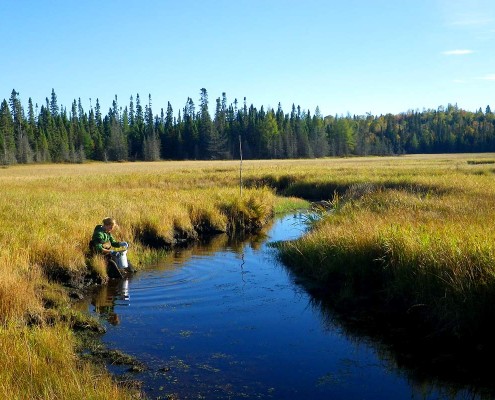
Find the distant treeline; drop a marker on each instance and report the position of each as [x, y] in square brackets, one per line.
[49, 133]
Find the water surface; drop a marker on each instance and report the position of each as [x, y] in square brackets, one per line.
[225, 320]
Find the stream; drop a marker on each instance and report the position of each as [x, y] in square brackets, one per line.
[226, 320]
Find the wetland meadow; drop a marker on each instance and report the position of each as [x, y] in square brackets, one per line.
[401, 247]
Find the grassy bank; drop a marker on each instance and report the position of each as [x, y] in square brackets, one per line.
[48, 214]
[410, 238]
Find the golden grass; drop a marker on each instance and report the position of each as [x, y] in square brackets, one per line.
[433, 213]
[419, 230]
[53, 213]
[49, 368]
[18, 283]
[48, 214]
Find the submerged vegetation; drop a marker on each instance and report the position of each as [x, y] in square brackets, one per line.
[413, 234]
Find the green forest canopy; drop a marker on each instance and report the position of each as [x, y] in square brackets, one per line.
[51, 133]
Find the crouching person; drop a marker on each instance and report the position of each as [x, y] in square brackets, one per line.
[105, 244]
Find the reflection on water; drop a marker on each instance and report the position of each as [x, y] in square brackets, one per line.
[110, 297]
[225, 320]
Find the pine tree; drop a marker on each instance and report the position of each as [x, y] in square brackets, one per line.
[131, 113]
[45, 128]
[169, 140]
[288, 139]
[97, 135]
[53, 104]
[300, 129]
[218, 143]
[317, 134]
[190, 132]
[136, 133]
[96, 140]
[24, 153]
[85, 140]
[64, 146]
[116, 141]
[31, 124]
[117, 144]
[205, 125]
[160, 130]
[151, 141]
[7, 142]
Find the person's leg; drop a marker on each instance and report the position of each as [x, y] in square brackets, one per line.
[113, 270]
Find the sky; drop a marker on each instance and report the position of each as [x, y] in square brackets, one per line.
[343, 56]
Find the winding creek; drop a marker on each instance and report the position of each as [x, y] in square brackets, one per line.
[225, 320]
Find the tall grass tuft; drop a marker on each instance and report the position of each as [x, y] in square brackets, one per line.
[418, 237]
[19, 299]
[248, 212]
[40, 363]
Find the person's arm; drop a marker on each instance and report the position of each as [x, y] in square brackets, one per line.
[113, 242]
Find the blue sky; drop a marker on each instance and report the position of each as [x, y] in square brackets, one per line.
[353, 56]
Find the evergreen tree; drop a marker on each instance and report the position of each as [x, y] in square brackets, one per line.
[169, 139]
[218, 142]
[31, 124]
[24, 153]
[317, 135]
[41, 154]
[116, 145]
[288, 139]
[53, 104]
[151, 141]
[94, 149]
[151, 147]
[205, 127]
[300, 130]
[45, 128]
[7, 141]
[85, 139]
[190, 132]
[116, 141]
[137, 130]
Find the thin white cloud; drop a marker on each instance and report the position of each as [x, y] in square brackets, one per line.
[489, 77]
[472, 21]
[458, 52]
[467, 13]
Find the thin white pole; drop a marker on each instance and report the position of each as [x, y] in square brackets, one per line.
[240, 167]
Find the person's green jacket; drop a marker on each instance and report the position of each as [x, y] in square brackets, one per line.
[100, 237]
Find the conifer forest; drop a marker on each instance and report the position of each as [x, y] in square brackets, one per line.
[50, 132]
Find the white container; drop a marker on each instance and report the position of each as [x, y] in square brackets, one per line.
[121, 260]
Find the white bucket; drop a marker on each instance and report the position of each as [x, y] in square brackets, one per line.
[121, 260]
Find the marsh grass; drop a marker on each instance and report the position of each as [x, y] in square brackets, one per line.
[417, 237]
[290, 204]
[50, 368]
[48, 214]
[417, 229]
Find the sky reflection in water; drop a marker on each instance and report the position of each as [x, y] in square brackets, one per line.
[226, 320]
